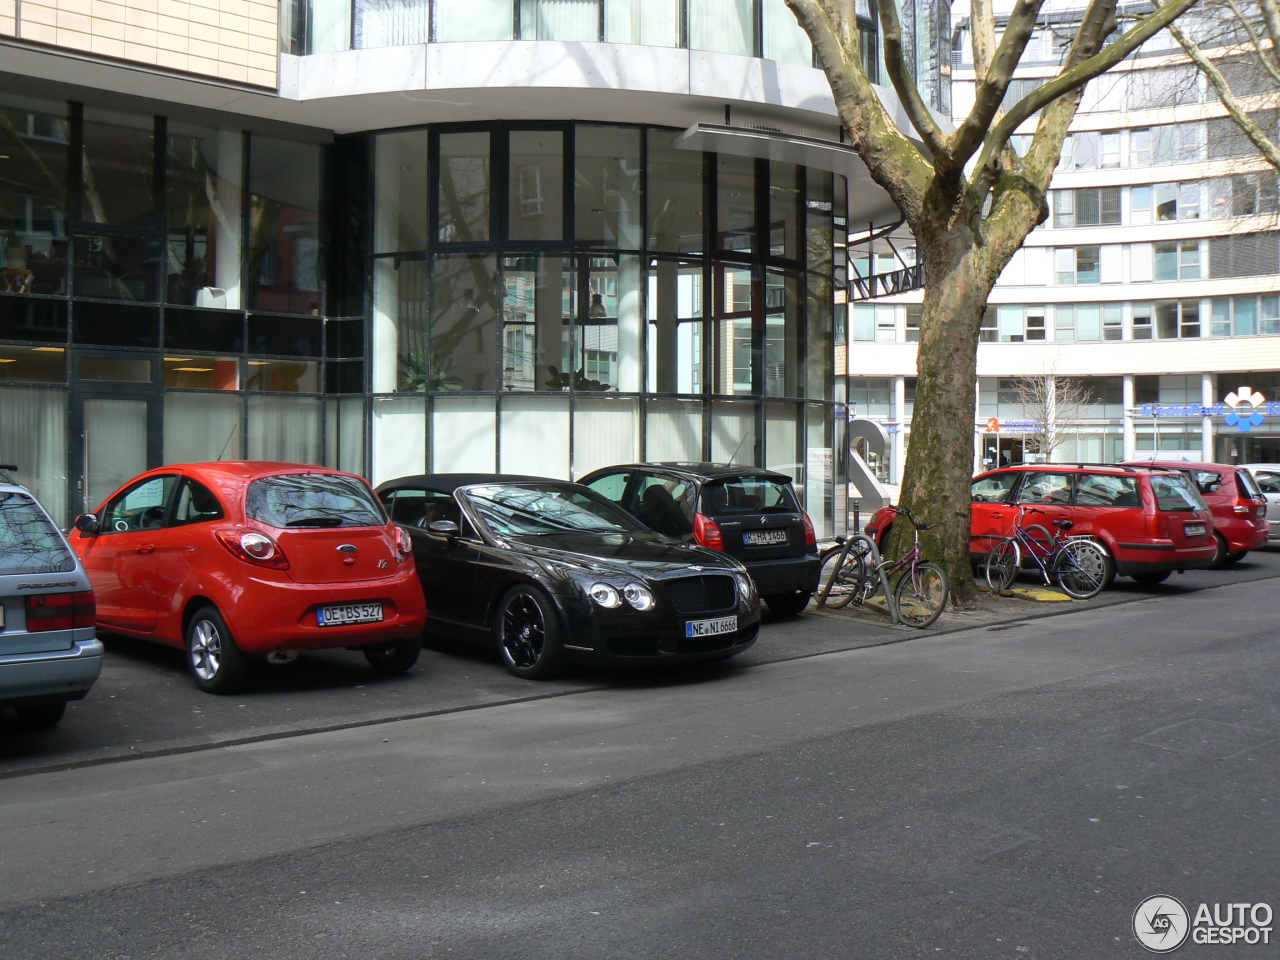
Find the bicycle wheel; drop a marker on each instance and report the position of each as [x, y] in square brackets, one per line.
[1082, 569]
[848, 578]
[1001, 567]
[921, 594]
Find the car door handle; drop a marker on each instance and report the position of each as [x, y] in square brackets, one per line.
[147, 548]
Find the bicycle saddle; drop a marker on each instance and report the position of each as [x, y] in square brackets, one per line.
[1063, 524]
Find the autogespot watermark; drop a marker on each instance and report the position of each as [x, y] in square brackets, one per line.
[1162, 924]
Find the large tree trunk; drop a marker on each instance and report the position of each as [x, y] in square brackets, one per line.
[939, 467]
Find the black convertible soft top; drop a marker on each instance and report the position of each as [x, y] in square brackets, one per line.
[449, 482]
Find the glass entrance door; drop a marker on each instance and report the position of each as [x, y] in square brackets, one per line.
[115, 444]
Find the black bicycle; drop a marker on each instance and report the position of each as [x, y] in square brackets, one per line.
[1079, 565]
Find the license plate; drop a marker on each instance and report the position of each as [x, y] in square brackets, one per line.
[757, 538]
[709, 628]
[1193, 529]
[349, 613]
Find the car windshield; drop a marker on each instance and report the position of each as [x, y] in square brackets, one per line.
[312, 500]
[1248, 486]
[29, 542]
[743, 495]
[1174, 491]
[542, 509]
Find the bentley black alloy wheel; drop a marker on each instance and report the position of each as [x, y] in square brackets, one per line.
[529, 634]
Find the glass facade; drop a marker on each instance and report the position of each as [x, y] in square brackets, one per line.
[573, 307]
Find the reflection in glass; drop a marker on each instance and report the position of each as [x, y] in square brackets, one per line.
[723, 26]
[782, 334]
[116, 268]
[119, 168]
[536, 312]
[115, 369]
[34, 142]
[464, 187]
[40, 364]
[657, 26]
[202, 426]
[734, 358]
[400, 192]
[819, 486]
[674, 196]
[607, 177]
[401, 360]
[735, 203]
[560, 20]
[472, 20]
[819, 354]
[784, 210]
[536, 197]
[204, 199]
[283, 261]
[463, 319]
[608, 332]
[819, 226]
[675, 309]
[784, 38]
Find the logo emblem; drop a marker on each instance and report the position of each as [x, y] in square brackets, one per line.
[1161, 924]
[382, 564]
[1246, 404]
[347, 548]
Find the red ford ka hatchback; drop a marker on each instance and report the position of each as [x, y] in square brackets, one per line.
[236, 560]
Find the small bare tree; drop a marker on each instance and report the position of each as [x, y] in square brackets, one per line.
[1244, 65]
[1058, 405]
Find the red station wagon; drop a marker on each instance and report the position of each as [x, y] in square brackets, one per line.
[1152, 522]
[1238, 506]
[233, 560]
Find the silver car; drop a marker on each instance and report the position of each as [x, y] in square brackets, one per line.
[1268, 477]
[48, 651]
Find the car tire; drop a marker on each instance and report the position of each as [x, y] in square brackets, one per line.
[1237, 556]
[530, 638]
[40, 716]
[1220, 555]
[216, 663]
[393, 657]
[1150, 579]
[787, 604]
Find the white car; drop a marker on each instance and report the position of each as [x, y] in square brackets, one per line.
[1268, 477]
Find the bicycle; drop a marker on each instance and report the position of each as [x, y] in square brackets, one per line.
[854, 571]
[1079, 565]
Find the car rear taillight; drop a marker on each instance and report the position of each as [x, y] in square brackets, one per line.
[707, 532]
[1246, 508]
[60, 611]
[810, 536]
[404, 546]
[253, 547]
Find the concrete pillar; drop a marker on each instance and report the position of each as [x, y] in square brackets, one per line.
[898, 460]
[1208, 397]
[1130, 438]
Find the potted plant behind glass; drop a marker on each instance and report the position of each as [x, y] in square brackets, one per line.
[15, 250]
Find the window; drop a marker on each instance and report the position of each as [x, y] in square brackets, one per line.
[1106, 490]
[607, 201]
[284, 248]
[1142, 321]
[560, 20]
[657, 26]
[723, 26]
[196, 504]
[29, 542]
[535, 208]
[1269, 314]
[988, 333]
[1110, 150]
[1244, 255]
[611, 486]
[1112, 322]
[1140, 147]
[886, 324]
[1076, 264]
[142, 506]
[464, 187]
[1178, 260]
[1045, 488]
[1011, 324]
[914, 313]
[1081, 321]
[472, 20]
[1087, 207]
[1140, 205]
[1035, 323]
[994, 489]
[312, 500]
[660, 503]
[203, 244]
[1177, 319]
[1175, 492]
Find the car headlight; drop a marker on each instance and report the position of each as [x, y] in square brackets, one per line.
[604, 595]
[746, 586]
[638, 596]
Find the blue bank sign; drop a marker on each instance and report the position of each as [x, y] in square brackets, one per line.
[1243, 409]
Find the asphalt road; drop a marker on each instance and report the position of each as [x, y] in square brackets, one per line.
[1008, 791]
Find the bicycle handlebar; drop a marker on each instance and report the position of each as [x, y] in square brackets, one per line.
[912, 517]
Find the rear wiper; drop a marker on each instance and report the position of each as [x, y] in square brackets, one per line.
[315, 522]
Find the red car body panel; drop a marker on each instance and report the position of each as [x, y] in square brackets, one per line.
[1241, 531]
[150, 580]
[1141, 539]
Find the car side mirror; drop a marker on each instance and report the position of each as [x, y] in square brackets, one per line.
[87, 523]
[445, 527]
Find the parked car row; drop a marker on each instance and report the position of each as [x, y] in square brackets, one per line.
[1152, 518]
[245, 560]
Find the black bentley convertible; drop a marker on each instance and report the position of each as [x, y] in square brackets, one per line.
[550, 571]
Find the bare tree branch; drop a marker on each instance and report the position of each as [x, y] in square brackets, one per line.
[1256, 40]
[982, 23]
[908, 92]
[1257, 136]
[994, 81]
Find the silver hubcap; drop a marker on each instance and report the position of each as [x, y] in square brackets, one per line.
[206, 650]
